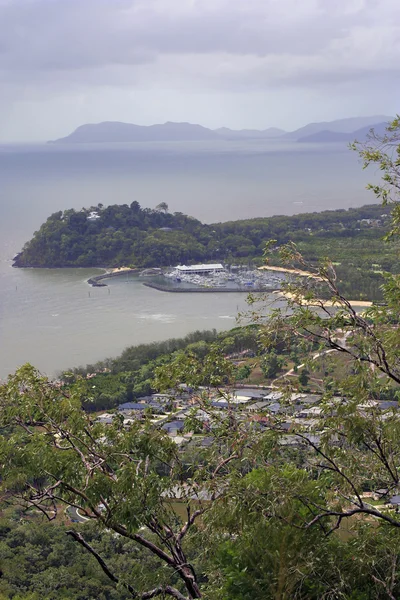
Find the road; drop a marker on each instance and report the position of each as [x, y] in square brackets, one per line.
[75, 515]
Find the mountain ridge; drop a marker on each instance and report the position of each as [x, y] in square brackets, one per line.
[348, 125]
[327, 136]
[120, 132]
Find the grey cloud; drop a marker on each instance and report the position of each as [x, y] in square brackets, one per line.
[59, 35]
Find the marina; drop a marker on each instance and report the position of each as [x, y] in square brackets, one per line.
[201, 278]
[218, 278]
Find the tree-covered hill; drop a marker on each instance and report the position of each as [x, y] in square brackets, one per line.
[122, 235]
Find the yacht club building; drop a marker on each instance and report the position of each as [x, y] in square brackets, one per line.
[200, 269]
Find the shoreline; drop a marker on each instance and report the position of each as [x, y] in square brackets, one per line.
[109, 273]
[315, 302]
[289, 271]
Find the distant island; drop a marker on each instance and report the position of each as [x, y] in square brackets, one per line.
[327, 136]
[116, 132]
[132, 236]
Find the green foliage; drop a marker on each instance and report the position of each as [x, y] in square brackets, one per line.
[40, 561]
[129, 235]
[304, 377]
[243, 372]
[131, 375]
[271, 364]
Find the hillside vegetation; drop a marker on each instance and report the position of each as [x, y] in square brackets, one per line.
[122, 235]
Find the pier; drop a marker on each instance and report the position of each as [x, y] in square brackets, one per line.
[97, 280]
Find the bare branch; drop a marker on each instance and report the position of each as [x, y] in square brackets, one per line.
[169, 590]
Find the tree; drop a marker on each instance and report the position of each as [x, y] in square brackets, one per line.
[356, 448]
[304, 377]
[244, 372]
[135, 207]
[125, 479]
[271, 364]
[162, 207]
[352, 452]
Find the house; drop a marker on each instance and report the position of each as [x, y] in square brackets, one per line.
[314, 411]
[220, 404]
[233, 399]
[273, 396]
[310, 398]
[105, 418]
[93, 216]
[388, 404]
[274, 408]
[140, 407]
[254, 394]
[173, 427]
[294, 440]
[262, 405]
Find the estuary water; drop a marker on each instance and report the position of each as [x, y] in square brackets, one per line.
[53, 319]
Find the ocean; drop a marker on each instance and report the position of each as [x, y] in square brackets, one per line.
[54, 320]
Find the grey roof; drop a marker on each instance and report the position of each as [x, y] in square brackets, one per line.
[395, 499]
[311, 399]
[253, 393]
[132, 406]
[273, 396]
[258, 406]
[171, 425]
[386, 404]
[294, 440]
[207, 441]
[139, 406]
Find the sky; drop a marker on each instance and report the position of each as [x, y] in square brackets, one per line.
[234, 63]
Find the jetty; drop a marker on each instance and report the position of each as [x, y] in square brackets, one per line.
[97, 280]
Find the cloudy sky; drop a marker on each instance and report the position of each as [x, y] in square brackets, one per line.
[236, 63]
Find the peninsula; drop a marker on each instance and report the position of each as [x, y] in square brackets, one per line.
[131, 236]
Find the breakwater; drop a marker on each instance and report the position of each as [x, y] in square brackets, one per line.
[97, 280]
[206, 290]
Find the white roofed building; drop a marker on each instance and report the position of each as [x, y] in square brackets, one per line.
[200, 269]
[93, 216]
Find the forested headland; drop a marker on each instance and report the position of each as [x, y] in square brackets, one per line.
[122, 235]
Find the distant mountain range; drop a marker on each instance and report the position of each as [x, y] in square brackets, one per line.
[343, 130]
[335, 136]
[349, 125]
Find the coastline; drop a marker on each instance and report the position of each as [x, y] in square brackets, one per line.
[289, 271]
[109, 273]
[316, 301]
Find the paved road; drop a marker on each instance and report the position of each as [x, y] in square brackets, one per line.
[75, 515]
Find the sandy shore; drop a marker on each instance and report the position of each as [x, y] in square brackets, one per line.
[291, 271]
[316, 302]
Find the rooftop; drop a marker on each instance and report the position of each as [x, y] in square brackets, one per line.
[211, 267]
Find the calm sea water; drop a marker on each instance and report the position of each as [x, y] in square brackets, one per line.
[52, 319]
